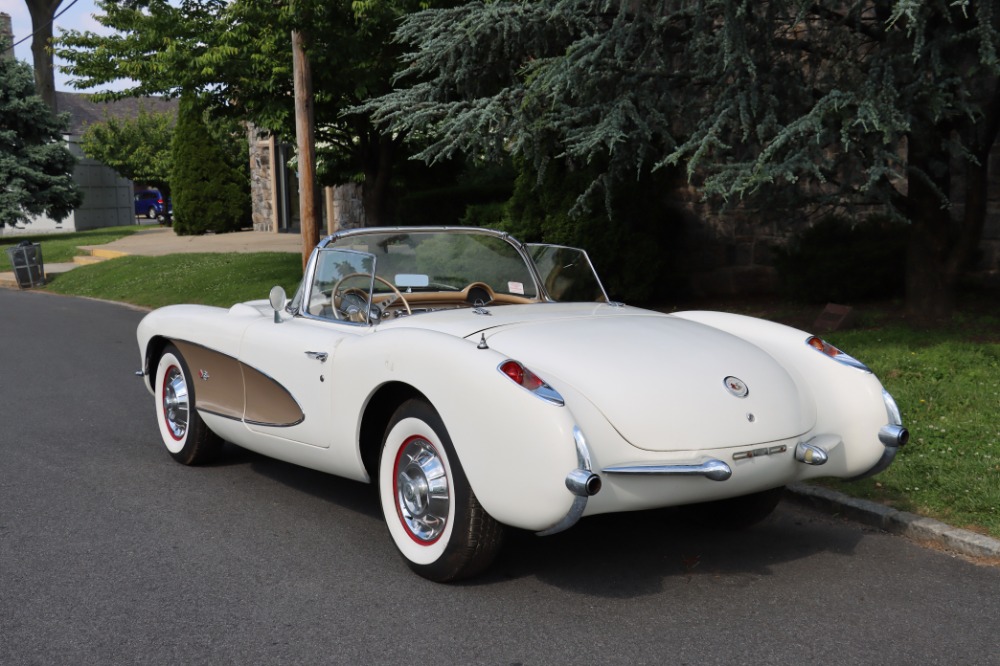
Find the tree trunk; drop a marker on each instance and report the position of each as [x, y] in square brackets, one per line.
[930, 276]
[42, 12]
[941, 248]
[377, 193]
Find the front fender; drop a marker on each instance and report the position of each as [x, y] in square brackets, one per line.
[215, 328]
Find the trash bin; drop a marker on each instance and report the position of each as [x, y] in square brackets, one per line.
[26, 258]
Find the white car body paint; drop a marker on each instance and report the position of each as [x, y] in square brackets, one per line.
[642, 387]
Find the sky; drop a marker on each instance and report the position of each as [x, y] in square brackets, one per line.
[76, 17]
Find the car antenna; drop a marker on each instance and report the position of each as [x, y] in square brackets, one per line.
[482, 342]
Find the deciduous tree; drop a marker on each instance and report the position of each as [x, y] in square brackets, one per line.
[239, 54]
[138, 148]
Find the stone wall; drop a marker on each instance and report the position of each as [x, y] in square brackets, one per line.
[732, 254]
[261, 180]
[343, 206]
[348, 207]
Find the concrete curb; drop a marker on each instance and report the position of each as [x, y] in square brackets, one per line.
[894, 521]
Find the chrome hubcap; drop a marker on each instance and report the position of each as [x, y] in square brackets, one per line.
[175, 402]
[422, 493]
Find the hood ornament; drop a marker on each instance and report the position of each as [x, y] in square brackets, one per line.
[736, 386]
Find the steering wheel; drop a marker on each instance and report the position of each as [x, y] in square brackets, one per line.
[378, 278]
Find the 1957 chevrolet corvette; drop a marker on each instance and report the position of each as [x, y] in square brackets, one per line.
[482, 383]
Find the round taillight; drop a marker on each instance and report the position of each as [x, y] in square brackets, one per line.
[514, 370]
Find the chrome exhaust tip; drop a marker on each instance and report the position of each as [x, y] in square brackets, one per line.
[893, 435]
[583, 483]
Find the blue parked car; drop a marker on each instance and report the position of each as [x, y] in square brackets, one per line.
[152, 204]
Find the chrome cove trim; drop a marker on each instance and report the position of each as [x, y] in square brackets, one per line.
[710, 468]
[582, 482]
[250, 422]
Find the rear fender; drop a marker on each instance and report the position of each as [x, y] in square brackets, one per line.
[848, 401]
[516, 449]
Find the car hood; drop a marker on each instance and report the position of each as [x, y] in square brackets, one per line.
[661, 381]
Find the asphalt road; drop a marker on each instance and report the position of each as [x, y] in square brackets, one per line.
[111, 553]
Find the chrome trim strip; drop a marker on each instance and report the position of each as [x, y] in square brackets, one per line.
[710, 468]
[579, 501]
[892, 409]
[888, 455]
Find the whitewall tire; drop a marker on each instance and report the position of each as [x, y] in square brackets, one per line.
[185, 435]
[432, 514]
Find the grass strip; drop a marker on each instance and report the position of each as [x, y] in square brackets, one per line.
[61, 248]
[204, 278]
[947, 385]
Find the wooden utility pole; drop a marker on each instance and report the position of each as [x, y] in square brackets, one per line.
[306, 143]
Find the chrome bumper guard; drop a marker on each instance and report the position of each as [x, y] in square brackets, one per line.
[582, 482]
[892, 435]
[710, 468]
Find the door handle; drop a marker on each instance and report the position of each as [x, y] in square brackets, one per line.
[319, 356]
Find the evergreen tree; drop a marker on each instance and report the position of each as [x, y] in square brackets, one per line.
[208, 193]
[773, 105]
[36, 167]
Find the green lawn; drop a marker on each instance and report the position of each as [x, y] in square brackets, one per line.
[947, 384]
[208, 279]
[946, 379]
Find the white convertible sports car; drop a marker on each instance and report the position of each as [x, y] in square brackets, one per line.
[484, 383]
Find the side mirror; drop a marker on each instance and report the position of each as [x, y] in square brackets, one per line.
[278, 299]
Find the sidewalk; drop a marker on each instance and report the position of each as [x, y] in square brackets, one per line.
[159, 241]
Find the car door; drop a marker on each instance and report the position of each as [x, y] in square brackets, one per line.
[296, 357]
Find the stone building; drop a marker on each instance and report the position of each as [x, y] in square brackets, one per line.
[274, 191]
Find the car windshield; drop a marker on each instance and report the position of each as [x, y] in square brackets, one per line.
[369, 275]
[432, 261]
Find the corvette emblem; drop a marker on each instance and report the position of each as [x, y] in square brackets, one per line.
[736, 386]
[203, 374]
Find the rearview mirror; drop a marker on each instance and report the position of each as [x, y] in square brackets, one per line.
[408, 280]
[278, 300]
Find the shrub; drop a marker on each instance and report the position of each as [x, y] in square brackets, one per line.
[631, 239]
[209, 194]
